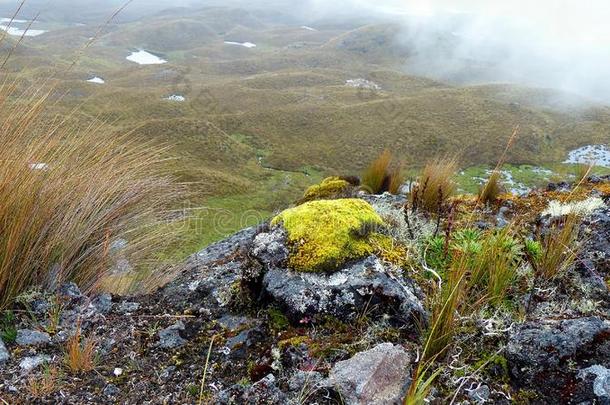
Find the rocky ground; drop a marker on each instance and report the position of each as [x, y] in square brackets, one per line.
[237, 326]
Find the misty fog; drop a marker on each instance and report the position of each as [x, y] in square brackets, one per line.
[556, 44]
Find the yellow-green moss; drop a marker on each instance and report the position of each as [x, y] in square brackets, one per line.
[330, 187]
[325, 234]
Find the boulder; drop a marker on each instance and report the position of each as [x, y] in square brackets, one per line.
[378, 376]
[550, 356]
[366, 285]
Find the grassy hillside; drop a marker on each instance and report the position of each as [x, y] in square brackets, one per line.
[259, 124]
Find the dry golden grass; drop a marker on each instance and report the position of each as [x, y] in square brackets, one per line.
[375, 174]
[67, 192]
[45, 384]
[435, 185]
[490, 191]
[80, 353]
[383, 175]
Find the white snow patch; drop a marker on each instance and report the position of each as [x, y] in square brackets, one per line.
[305, 27]
[590, 154]
[142, 57]
[586, 207]
[362, 84]
[244, 44]
[18, 32]
[96, 80]
[175, 97]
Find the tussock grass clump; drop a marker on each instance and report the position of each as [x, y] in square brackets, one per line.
[80, 353]
[383, 175]
[435, 185]
[495, 267]
[490, 191]
[559, 248]
[68, 192]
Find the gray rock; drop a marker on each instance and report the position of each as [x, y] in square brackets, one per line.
[305, 381]
[27, 337]
[169, 338]
[544, 356]
[601, 385]
[4, 354]
[129, 307]
[377, 376]
[264, 391]
[30, 363]
[367, 283]
[270, 247]
[102, 303]
[69, 290]
[111, 390]
[479, 394]
[209, 277]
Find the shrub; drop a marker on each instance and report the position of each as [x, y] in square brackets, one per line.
[435, 185]
[382, 175]
[490, 191]
[325, 234]
[67, 192]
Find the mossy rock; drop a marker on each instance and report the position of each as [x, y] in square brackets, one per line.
[325, 234]
[329, 188]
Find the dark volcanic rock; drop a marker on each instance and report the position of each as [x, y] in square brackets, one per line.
[549, 356]
[344, 293]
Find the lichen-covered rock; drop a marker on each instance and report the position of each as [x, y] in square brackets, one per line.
[209, 278]
[323, 235]
[379, 376]
[270, 247]
[548, 356]
[27, 337]
[367, 283]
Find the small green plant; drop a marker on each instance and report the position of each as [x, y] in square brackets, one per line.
[8, 330]
[497, 265]
[421, 384]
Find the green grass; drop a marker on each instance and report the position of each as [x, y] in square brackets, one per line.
[288, 106]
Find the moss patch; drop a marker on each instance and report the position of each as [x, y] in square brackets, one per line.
[329, 188]
[325, 234]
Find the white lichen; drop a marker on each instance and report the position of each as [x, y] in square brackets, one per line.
[582, 208]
